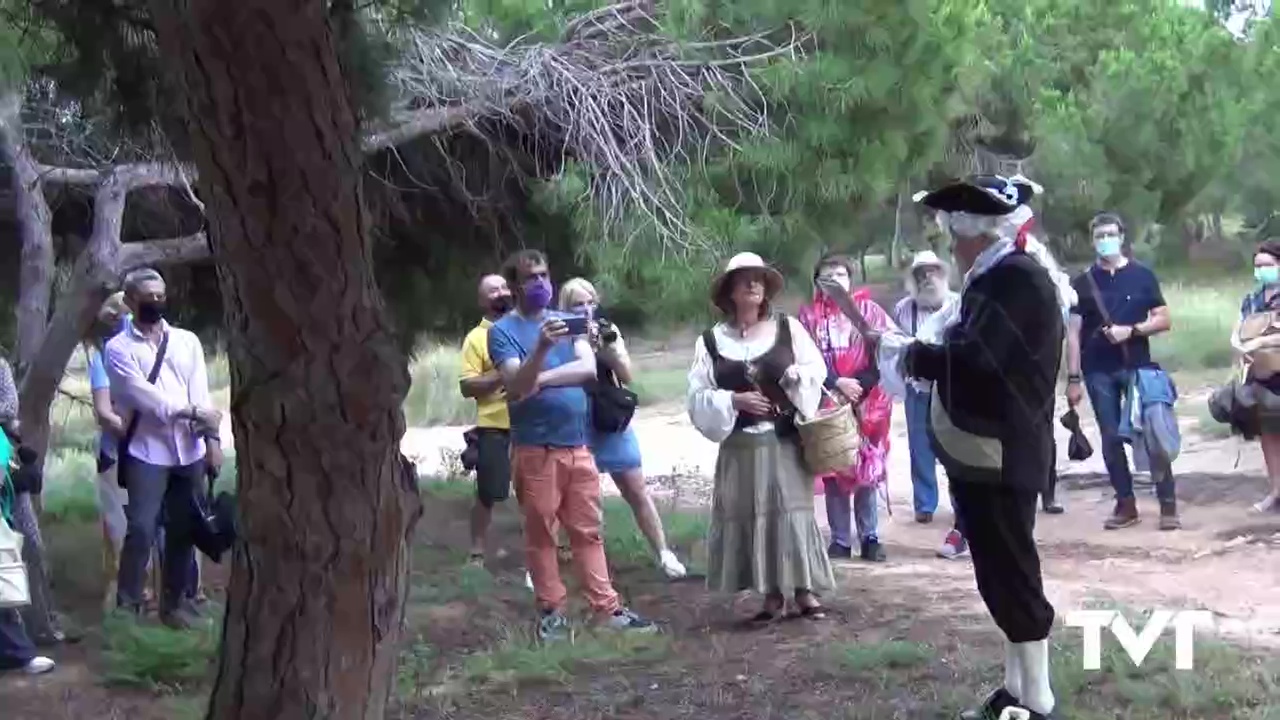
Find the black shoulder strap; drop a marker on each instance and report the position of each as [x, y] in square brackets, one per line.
[784, 329]
[915, 317]
[151, 380]
[709, 340]
[1102, 308]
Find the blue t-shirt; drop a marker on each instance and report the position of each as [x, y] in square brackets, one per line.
[1128, 296]
[98, 380]
[554, 416]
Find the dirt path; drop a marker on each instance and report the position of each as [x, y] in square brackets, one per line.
[1224, 559]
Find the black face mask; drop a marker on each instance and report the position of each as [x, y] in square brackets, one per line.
[151, 312]
[500, 305]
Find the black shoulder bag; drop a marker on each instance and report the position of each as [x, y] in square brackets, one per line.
[122, 449]
[612, 405]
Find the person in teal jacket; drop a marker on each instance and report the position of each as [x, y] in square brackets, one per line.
[17, 652]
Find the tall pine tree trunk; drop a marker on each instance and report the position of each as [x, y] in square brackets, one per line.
[318, 581]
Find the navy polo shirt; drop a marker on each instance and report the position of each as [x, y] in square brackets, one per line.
[1128, 296]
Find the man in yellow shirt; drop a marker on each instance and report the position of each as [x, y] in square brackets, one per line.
[481, 381]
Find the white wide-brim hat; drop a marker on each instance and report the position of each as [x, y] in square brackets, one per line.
[926, 258]
[773, 281]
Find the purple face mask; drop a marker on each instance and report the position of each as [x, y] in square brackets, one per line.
[537, 293]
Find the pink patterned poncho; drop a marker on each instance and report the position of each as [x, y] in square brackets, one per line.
[848, 354]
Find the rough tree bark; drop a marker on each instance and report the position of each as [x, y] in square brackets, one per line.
[35, 274]
[319, 578]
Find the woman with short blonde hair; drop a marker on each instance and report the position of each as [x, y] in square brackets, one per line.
[618, 453]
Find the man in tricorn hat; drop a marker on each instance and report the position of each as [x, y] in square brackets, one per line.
[992, 361]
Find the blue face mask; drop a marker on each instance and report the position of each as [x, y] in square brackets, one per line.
[1267, 274]
[1107, 246]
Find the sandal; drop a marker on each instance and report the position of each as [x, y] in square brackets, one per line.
[767, 615]
[816, 611]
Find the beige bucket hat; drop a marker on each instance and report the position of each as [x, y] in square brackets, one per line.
[773, 280]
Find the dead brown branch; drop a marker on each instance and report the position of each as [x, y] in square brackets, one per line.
[616, 95]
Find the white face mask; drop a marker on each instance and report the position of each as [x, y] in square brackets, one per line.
[840, 279]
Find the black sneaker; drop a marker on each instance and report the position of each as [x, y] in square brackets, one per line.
[553, 627]
[872, 550]
[992, 707]
[836, 551]
[624, 619]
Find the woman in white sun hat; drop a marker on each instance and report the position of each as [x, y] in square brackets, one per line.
[752, 373]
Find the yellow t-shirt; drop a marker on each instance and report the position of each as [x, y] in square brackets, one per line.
[491, 410]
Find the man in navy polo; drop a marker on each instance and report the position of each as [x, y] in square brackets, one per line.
[1120, 306]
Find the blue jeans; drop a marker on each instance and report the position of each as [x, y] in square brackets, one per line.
[1106, 393]
[16, 649]
[924, 466]
[157, 491]
[866, 515]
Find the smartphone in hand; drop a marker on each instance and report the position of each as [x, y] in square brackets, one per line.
[576, 325]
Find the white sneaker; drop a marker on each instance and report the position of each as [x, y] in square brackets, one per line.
[1267, 504]
[528, 581]
[38, 666]
[671, 565]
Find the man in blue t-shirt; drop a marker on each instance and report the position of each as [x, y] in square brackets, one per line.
[544, 369]
[1120, 306]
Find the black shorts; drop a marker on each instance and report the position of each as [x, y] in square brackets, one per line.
[493, 465]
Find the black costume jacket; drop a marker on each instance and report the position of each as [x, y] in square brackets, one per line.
[995, 378]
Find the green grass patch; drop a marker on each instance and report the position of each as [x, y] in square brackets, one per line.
[445, 579]
[518, 659]
[626, 546]
[138, 654]
[657, 386]
[1203, 316]
[433, 395]
[70, 493]
[449, 489]
[888, 655]
[1226, 683]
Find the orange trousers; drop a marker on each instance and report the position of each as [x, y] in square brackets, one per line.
[560, 487]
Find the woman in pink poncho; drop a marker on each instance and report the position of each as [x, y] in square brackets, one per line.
[851, 373]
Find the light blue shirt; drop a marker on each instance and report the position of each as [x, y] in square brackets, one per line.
[98, 380]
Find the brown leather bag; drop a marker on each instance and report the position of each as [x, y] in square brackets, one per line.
[1260, 334]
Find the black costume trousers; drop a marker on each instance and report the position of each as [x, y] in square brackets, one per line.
[999, 524]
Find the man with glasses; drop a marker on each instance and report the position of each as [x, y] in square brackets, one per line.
[1120, 307]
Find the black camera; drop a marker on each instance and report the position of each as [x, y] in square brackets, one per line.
[608, 333]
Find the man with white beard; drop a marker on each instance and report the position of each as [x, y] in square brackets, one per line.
[928, 287]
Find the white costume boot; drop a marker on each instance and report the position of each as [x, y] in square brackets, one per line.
[1036, 695]
[1012, 669]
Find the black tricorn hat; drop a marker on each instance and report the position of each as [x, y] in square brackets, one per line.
[981, 195]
